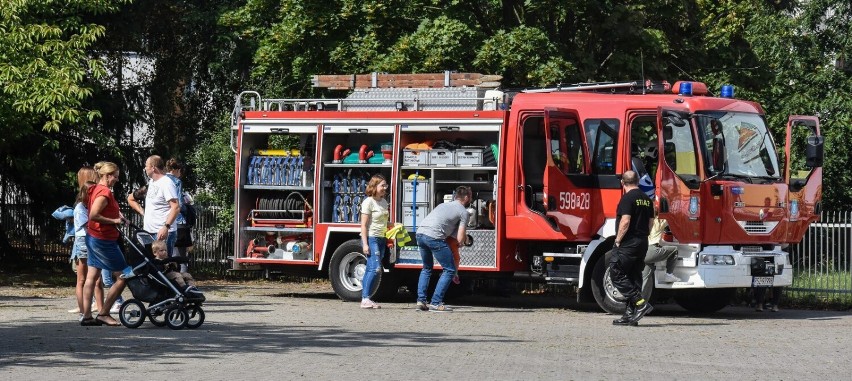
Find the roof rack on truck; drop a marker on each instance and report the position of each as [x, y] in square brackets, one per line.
[630, 87]
[389, 92]
[420, 80]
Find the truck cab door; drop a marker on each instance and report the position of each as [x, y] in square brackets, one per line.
[567, 198]
[803, 173]
[677, 174]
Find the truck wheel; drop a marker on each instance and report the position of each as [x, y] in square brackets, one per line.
[346, 271]
[707, 300]
[605, 293]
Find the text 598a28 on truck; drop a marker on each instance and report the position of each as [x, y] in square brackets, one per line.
[544, 167]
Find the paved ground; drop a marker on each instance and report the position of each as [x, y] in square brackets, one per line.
[266, 331]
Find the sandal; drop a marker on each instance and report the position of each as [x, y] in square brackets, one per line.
[90, 322]
[110, 322]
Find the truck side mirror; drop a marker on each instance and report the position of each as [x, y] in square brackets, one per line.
[814, 151]
[674, 119]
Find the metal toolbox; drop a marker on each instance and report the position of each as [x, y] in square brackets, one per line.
[413, 157]
[441, 157]
[418, 195]
[469, 157]
[413, 214]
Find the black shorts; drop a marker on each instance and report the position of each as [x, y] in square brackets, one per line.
[184, 237]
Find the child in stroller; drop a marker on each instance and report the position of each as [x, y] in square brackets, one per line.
[168, 304]
[170, 266]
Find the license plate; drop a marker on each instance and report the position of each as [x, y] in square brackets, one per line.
[762, 281]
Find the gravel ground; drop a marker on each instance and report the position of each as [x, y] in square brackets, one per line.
[270, 330]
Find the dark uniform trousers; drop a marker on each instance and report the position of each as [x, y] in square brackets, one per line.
[626, 266]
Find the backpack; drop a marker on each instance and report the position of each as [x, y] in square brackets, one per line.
[189, 214]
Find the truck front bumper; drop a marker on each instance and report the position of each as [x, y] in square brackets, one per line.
[724, 267]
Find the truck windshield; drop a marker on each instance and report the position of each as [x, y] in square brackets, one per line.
[747, 147]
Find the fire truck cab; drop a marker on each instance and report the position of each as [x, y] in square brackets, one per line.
[545, 168]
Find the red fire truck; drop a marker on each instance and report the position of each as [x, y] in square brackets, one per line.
[544, 165]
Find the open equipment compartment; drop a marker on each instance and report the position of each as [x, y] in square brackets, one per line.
[476, 146]
[275, 194]
[350, 157]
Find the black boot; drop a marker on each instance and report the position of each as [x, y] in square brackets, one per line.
[625, 318]
[640, 310]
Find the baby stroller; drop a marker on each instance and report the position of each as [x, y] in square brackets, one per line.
[167, 304]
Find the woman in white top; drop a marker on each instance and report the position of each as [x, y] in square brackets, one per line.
[374, 225]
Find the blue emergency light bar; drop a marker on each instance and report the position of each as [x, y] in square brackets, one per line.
[685, 88]
[727, 91]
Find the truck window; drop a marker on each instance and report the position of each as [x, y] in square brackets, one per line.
[798, 168]
[643, 145]
[602, 138]
[566, 147]
[748, 147]
[534, 151]
[679, 149]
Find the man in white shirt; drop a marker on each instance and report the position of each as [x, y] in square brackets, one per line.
[161, 203]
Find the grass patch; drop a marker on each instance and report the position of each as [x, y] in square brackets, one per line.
[831, 291]
[37, 274]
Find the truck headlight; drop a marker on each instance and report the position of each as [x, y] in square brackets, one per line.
[712, 259]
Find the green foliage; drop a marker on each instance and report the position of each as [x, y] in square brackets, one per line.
[47, 78]
[523, 51]
[44, 65]
[436, 45]
[800, 75]
[819, 290]
[213, 162]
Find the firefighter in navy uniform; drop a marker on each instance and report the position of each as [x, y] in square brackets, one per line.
[634, 216]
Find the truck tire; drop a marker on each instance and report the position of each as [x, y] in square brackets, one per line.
[346, 271]
[704, 301]
[605, 293]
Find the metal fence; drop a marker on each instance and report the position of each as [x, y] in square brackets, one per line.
[34, 236]
[822, 262]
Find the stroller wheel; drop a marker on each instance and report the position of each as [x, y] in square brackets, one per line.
[194, 317]
[176, 318]
[132, 313]
[157, 318]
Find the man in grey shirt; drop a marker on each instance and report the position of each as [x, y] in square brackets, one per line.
[447, 219]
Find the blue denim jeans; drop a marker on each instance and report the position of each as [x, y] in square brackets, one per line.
[170, 243]
[374, 264]
[429, 248]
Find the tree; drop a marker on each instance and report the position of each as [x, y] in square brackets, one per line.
[798, 58]
[47, 75]
[213, 161]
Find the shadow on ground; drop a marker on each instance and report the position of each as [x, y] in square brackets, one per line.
[42, 343]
